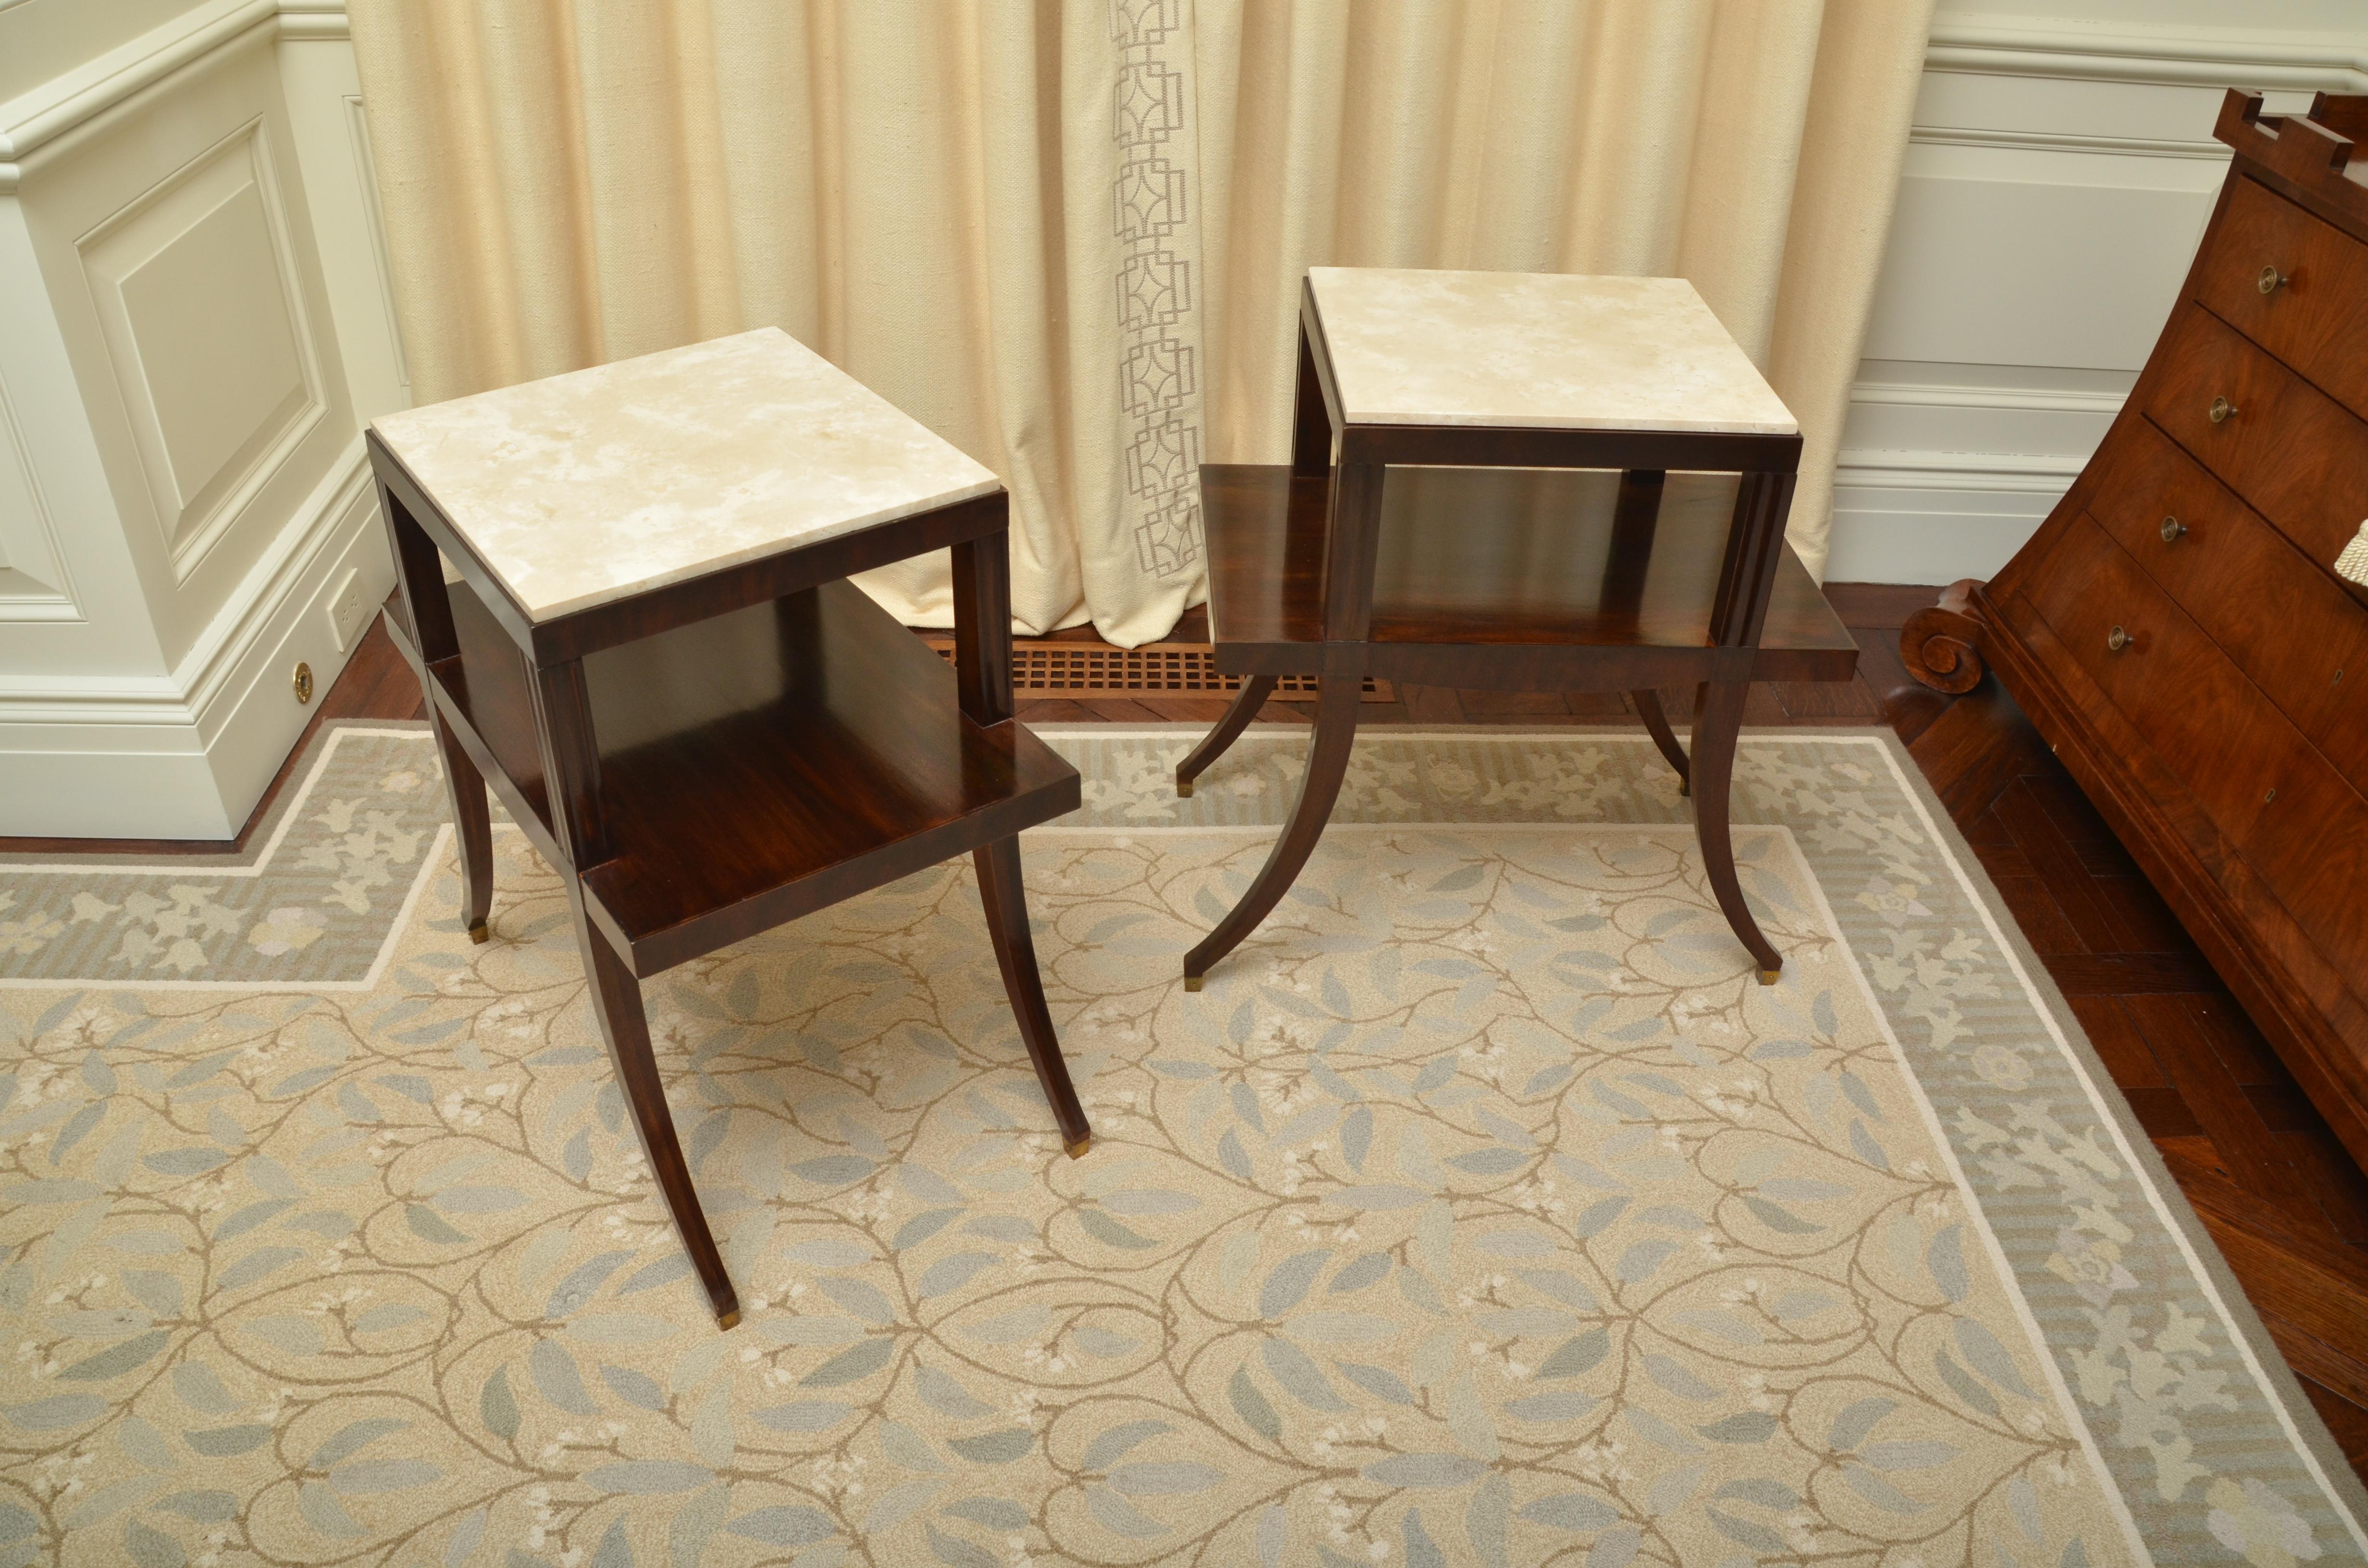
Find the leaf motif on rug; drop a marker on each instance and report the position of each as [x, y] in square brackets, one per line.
[1482, 1209]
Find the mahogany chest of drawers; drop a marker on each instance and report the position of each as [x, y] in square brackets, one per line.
[2176, 628]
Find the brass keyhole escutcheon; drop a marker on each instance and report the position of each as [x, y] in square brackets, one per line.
[2271, 796]
[2172, 531]
[2272, 280]
[2221, 409]
[304, 682]
[2117, 639]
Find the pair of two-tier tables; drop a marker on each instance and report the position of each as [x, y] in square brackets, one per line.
[651, 651]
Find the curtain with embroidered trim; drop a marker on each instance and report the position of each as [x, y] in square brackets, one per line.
[1069, 236]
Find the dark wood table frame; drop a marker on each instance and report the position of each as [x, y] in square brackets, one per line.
[1309, 610]
[861, 759]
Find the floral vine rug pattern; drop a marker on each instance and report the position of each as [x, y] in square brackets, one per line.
[1481, 1209]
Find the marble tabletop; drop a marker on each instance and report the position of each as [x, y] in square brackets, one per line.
[602, 484]
[1538, 351]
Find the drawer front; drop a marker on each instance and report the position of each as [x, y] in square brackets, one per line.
[2205, 718]
[2315, 315]
[2300, 639]
[2284, 445]
[2291, 816]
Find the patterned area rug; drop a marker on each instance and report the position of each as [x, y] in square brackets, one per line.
[1482, 1210]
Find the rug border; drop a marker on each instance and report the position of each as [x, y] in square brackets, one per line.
[2343, 1486]
[261, 843]
[2236, 1305]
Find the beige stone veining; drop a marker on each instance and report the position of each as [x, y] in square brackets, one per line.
[605, 482]
[1537, 350]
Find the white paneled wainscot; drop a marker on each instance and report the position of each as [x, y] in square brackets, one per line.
[196, 326]
[2058, 177]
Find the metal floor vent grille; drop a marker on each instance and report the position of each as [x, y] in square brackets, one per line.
[1156, 669]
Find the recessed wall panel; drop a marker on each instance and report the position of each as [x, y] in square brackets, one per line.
[197, 300]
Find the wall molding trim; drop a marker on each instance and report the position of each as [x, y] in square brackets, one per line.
[2025, 474]
[35, 584]
[2065, 142]
[2043, 400]
[38, 118]
[2026, 47]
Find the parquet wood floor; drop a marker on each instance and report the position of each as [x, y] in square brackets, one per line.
[2287, 1204]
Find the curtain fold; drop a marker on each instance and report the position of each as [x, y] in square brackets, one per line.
[1069, 237]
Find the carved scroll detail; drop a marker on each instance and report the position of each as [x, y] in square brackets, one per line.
[1942, 646]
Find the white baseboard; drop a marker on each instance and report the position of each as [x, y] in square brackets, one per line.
[1922, 547]
[1937, 516]
[188, 757]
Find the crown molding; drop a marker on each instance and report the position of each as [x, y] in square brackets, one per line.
[33, 120]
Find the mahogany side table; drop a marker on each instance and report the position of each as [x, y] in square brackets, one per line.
[1522, 481]
[652, 654]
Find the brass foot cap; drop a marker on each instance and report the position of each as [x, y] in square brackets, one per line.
[1770, 976]
[1685, 787]
[1193, 983]
[481, 932]
[1077, 1150]
[1184, 788]
[730, 1319]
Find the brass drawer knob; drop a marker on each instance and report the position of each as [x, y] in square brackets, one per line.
[2221, 409]
[2272, 280]
[2173, 531]
[2118, 639]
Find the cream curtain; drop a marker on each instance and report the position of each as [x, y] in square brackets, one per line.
[1069, 236]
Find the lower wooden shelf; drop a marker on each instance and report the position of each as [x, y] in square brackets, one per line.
[753, 766]
[1477, 558]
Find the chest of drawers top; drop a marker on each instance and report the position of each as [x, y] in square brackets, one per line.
[2263, 374]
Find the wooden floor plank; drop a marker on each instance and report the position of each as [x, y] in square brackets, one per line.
[1432, 704]
[1975, 749]
[2346, 1421]
[2177, 1030]
[1828, 702]
[2053, 858]
[2311, 1357]
[2129, 974]
[2034, 909]
[2238, 1043]
[2119, 1044]
[2163, 1113]
[2335, 1180]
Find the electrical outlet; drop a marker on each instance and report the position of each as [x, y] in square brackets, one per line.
[348, 615]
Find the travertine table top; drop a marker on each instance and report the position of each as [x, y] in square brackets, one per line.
[1537, 350]
[602, 484]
